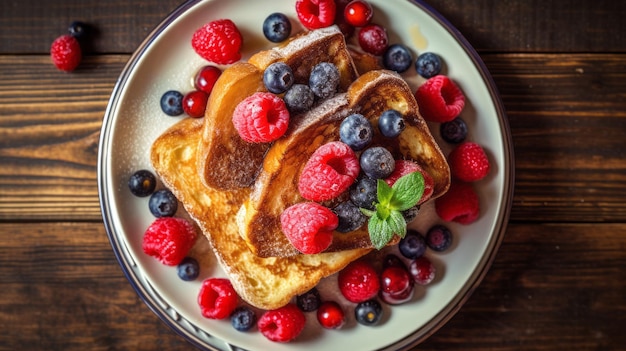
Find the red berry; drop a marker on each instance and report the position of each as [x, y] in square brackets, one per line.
[283, 324]
[194, 103]
[206, 77]
[358, 282]
[373, 39]
[261, 117]
[346, 28]
[396, 285]
[330, 315]
[309, 226]
[422, 270]
[468, 162]
[66, 53]
[169, 239]
[358, 13]
[314, 14]
[459, 204]
[439, 99]
[218, 41]
[217, 298]
[330, 171]
[404, 167]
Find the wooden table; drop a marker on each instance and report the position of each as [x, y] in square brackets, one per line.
[557, 283]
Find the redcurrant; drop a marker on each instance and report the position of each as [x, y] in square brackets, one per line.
[396, 285]
[330, 315]
[422, 270]
[373, 39]
[206, 77]
[358, 13]
[194, 103]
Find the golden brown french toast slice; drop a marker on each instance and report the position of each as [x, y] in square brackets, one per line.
[266, 283]
[225, 161]
[276, 187]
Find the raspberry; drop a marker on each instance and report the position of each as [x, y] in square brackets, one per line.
[283, 324]
[169, 239]
[261, 117]
[439, 99]
[358, 282]
[404, 167]
[217, 298]
[218, 41]
[330, 171]
[309, 226]
[468, 162]
[460, 204]
[66, 53]
[314, 14]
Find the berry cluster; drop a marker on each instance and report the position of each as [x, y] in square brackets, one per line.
[194, 102]
[168, 239]
[353, 166]
[66, 51]
[441, 101]
[264, 116]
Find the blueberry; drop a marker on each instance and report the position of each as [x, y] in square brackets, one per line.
[391, 123]
[397, 58]
[163, 203]
[142, 183]
[377, 162]
[454, 131]
[188, 269]
[243, 318]
[78, 30]
[324, 80]
[412, 245]
[428, 64]
[278, 77]
[309, 301]
[368, 312]
[276, 27]
[299, 98]
[363, 193]
[439, 238]
[350, 217]
[172, 103]
[410, 214]
[356, 131]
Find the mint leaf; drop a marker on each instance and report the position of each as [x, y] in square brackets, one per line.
[384, 192]
[367, 212]
[380, 231]
[407, 191]
[397, 224]
[387, 219]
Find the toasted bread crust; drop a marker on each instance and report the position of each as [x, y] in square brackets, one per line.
[266, 283]
[226, 161]
[276, 186]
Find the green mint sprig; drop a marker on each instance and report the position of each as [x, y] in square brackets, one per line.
[387, 220]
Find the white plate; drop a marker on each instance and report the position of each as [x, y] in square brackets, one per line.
[165, 60]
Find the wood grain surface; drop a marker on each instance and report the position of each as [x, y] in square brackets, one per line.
[557, 283]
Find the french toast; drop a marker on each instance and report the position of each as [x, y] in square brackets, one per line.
[225, 161]
[276, 186]
[266, 283]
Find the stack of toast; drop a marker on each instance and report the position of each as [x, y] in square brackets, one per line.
[235, 191]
